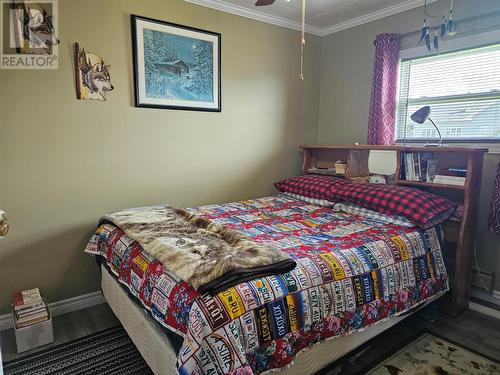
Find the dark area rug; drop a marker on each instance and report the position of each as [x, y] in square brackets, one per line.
[106, 352]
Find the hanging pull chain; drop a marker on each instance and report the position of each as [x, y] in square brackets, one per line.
[302, 40]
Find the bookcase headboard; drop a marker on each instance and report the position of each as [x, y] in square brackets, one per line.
[459, 236]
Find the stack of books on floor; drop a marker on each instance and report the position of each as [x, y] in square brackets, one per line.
[29, 308]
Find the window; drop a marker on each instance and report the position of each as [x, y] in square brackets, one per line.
[463, 90]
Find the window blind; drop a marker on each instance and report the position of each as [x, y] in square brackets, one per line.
[463, 90]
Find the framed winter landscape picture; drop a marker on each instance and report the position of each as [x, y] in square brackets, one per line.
[175, 67]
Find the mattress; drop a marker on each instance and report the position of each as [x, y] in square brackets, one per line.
[352, 273]
[157, 350]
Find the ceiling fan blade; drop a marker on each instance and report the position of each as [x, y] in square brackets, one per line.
[260, 3]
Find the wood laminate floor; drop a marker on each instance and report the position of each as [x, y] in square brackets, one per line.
[471, 329]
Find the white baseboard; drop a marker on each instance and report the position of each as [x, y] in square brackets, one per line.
[481, 294]
[62, 307]
[484, 310]
[496, 295]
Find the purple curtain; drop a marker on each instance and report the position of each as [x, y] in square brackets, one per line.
[382, 115]
[494, 219]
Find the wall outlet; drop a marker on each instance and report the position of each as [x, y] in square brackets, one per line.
[483, 279]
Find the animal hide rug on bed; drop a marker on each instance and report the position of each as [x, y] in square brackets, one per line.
[211, 257]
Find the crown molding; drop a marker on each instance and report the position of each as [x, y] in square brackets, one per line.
[255, 15]
[373, 16]
[283, 22]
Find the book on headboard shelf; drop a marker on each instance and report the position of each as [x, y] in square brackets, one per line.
[424, 167]
[322, 171]
[418, 166]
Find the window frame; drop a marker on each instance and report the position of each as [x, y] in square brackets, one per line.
[416, 53]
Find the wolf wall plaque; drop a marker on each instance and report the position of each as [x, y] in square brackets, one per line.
[175, 67]
[93, 78]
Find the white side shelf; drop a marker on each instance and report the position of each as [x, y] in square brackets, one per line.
[34, 336]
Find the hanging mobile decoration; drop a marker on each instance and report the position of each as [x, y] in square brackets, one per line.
[302, 40]
[452, 26]
[448, 27]
[435, 40]
[425, 31]
[428, 39]
[442, 31]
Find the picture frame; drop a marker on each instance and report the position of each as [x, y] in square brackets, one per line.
[175, 66]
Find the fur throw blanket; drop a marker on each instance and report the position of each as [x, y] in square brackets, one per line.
[209, 256]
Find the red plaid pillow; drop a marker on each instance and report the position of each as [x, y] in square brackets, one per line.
[312, 186]
[422, 208]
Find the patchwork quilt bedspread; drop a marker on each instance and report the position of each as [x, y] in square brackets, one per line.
[351, 272]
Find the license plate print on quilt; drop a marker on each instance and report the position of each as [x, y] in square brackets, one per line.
[351, 273]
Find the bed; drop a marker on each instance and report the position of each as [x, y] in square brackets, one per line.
[355, 277]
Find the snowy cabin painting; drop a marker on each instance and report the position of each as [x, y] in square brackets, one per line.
[181, 67]
[177, 67]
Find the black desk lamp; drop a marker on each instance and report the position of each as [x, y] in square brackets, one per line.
[420, 116]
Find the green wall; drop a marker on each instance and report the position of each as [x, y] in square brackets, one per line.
[66, 162]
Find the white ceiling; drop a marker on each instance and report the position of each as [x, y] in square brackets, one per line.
[323, 17]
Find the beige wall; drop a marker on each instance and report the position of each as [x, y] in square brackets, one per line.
[64, 162]
[346, 74]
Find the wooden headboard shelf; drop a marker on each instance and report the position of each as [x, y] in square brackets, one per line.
[459, 236]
